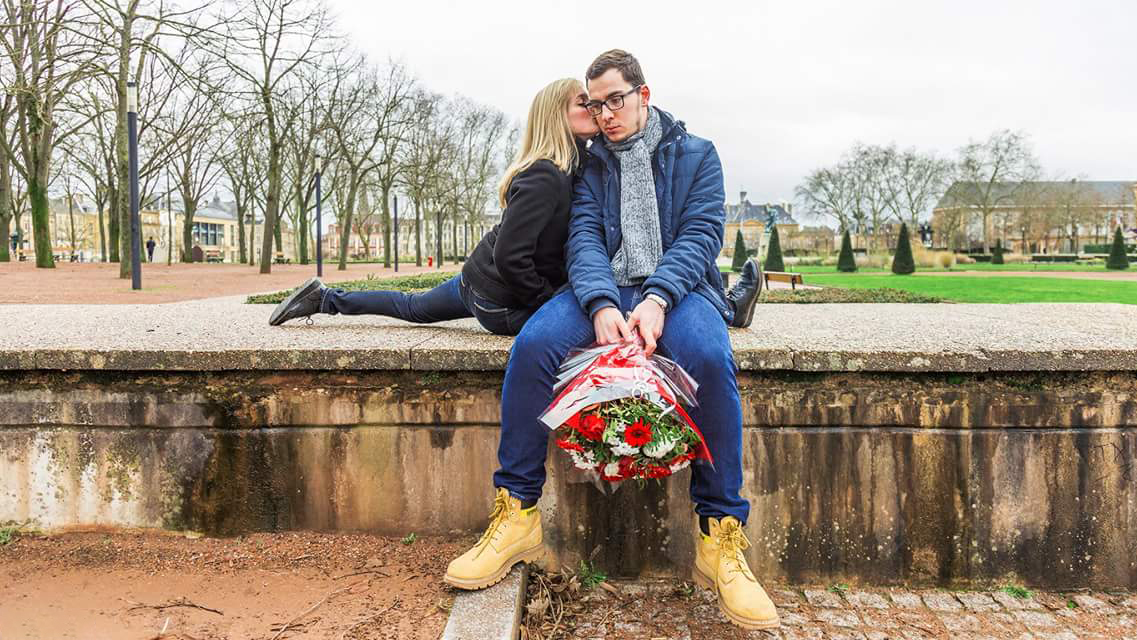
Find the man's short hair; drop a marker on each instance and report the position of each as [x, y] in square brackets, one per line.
[616, 59]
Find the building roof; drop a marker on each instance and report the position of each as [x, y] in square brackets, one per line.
[747, 211]
[1108, 192]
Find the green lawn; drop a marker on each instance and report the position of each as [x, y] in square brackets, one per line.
[989, 289]
[978, 266]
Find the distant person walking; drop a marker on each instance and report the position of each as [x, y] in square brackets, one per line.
[150, 244]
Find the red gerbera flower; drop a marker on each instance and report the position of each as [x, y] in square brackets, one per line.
[592, 426]
[569, 446]
[637, 434]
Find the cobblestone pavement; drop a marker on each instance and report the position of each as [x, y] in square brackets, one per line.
[667, 609]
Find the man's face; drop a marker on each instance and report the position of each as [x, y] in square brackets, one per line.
[621, 123]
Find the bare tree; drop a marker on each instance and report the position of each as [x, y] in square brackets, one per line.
[917, 180]
[829, 193]
[991, 173]
[48, 61]
[269, 42]
[196, 160]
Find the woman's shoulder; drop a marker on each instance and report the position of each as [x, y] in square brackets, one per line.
[542, 174]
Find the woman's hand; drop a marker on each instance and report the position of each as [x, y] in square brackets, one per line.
[611, 327]
[647, 318]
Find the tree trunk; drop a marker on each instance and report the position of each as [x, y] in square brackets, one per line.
[278, 234]
[100, 203]
[272, 199]
[241, 233]
[189, 209]
[41, 214]
[122, 151]
[5, 211]
[348, 208]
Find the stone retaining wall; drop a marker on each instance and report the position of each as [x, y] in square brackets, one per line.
[917, 477]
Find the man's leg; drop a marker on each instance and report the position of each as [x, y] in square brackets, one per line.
[514, 533]
[557, 327]
[443, 302]
[695, 336]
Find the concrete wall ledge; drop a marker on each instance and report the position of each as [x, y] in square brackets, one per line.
[224, 334]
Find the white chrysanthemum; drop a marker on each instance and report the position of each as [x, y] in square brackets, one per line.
[625, 449]
[614, 439]
[620, 427]
[659, 449]
[611, 469]
[675, 468]
[581, 462]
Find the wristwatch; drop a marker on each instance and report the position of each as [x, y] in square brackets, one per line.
[658, 299]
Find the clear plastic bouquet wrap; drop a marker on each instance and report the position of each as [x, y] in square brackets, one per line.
[619, 413]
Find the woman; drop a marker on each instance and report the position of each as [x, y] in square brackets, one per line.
[520, 263]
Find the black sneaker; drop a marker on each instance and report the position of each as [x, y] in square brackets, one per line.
[744, 294]
[303, 302]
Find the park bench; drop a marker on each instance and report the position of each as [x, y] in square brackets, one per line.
[280, 258]
[781, 276]
[213, 255]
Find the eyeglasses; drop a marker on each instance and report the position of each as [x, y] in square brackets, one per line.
[614, 103]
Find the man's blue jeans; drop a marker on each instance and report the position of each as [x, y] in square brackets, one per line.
[694, 335]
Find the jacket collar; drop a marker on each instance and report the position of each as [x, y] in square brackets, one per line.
[674, 130]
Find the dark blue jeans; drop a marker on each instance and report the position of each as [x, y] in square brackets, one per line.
[694, 335]
[450, 300]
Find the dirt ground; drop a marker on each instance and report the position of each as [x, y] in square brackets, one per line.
[98, 283]
[132, 586]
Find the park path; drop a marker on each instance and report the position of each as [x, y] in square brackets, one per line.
[98, 283]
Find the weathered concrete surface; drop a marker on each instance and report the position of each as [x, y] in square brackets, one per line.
[225, 334]
[877, 477]
[489, 614]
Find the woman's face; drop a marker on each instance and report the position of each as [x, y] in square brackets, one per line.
[580, 121]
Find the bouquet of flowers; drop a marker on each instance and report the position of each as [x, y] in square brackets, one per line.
[620, 413]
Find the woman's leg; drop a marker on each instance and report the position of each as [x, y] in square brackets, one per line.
[443, 302]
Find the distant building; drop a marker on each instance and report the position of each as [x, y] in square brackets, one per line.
[753, 220]
[1036, 216]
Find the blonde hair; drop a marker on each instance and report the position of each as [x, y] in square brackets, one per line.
[548, 135]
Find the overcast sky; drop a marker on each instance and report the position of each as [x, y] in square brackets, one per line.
[786, 87]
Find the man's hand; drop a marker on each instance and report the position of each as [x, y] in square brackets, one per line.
[611, 327]
[647, 318]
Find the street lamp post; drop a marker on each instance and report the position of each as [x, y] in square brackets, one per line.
[396, 233]
[135, 222]
[319, 222]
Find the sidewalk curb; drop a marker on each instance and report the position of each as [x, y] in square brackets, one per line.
[489, 614]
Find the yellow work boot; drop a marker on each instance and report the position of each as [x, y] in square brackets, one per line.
[514, 535]
[721, 566]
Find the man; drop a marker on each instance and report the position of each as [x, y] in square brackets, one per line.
[646, 229]
[150, 244]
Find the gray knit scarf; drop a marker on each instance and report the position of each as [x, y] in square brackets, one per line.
[642, 245]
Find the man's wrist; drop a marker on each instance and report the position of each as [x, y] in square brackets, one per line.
[658, 299]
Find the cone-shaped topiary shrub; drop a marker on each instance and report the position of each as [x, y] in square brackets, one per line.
[1117, 258]
[774, 254]
[845, 261]
[739, 252]
[997, 253]
[902, 262]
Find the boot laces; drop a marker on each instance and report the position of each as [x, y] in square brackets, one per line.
[732, 542]
[498, 517]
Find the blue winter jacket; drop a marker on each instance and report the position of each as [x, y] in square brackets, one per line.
[689, 190]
